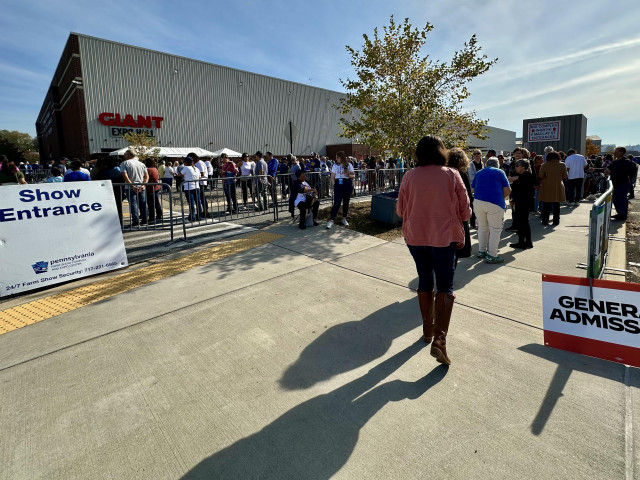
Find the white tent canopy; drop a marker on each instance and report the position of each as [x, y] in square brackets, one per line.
[174, 152]
[230, 153]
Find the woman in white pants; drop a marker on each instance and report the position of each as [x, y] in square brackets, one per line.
[490, 187]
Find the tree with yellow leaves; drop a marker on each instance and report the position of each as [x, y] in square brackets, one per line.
[398, 95]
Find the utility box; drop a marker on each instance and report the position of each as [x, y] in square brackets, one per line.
[383, 208]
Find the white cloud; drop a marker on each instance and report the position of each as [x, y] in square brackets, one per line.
[598, 76]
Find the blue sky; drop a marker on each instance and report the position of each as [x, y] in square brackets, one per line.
[555, 57]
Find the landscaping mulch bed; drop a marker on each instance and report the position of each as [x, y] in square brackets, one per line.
[633, 241]
[360, 220]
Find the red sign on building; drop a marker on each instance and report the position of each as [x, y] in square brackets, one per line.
[138, 121]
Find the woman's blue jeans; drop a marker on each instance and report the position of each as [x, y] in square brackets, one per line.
[438, 262]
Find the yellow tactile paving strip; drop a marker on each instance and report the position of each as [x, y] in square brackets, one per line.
[44, 308]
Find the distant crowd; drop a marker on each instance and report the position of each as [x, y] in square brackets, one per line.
[257, 176]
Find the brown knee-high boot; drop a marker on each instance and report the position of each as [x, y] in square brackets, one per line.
[426, 300]
[443, 308]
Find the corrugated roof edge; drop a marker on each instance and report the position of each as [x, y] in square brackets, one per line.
[202, 61]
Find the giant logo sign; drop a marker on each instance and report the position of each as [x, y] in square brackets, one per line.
[121, 124]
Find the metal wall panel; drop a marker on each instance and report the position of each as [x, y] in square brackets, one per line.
[203, 105]
[497, 139]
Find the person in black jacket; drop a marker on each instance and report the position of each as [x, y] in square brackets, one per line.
[621, 171]
[522, 194]
[458, 160]
[304, 197]
[108, 170]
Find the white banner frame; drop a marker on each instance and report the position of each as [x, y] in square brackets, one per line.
[51, 233]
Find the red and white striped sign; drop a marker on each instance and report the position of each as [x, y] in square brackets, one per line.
[606, 326]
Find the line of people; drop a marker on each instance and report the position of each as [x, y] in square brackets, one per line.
[446, 192]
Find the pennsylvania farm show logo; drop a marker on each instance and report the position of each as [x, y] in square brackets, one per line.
[40, 267]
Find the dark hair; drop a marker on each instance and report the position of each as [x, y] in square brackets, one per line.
[299, 172]
[491, 153]
[8, 167]
[76, 164]
[344, 161]
[150, 163]
[553, 156]
[245, 155]
[56, 172]
[193, 156]
[458, 159]
[259, 154]
[622, 149]
[431, 151]
[571, 151]
[110, 162]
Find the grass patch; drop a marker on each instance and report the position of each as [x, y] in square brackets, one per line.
[360, 220]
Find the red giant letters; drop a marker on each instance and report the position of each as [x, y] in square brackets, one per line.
[115, 119]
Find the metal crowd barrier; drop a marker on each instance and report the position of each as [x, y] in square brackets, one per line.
[36, 176]
[366, 183]
[145, 210]
[208, 201]
[599, 226]
[213, 200]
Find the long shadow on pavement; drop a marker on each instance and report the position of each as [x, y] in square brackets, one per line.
[567, 363]
[316, 438]
[347, 346]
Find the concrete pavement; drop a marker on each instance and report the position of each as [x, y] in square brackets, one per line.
[302, 358]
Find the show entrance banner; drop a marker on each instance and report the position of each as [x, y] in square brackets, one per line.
[54, 232]
[601, 321]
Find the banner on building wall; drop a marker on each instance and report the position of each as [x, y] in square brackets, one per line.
[544, 132]
[605, 325]
[55, 232]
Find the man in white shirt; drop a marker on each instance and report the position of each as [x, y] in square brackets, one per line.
[576, 164]
[209, 165]
[202, 168]
[190, 186]
[247, 169]
[134, 171]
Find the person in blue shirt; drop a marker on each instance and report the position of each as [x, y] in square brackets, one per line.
[56, 176]
[283, 177]
[75, 175]
[272, 164]
[314, 168]
[490, 187]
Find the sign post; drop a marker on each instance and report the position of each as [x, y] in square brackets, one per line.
[55, 232]
[599, 223]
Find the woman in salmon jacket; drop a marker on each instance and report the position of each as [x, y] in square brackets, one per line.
[433, 203]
